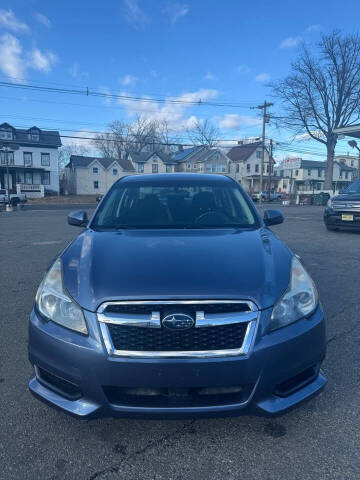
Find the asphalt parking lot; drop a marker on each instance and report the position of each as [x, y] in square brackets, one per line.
[320, 440]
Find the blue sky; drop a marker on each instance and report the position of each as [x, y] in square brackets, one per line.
[220, 51]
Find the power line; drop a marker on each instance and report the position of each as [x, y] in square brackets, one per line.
[125, 98]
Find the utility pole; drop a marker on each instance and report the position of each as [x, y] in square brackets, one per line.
[270, 167]
[266, 119]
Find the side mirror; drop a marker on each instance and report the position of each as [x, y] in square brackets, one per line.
[273, 217]
[78, 218]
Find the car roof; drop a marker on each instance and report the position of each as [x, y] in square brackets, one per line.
[171, 178]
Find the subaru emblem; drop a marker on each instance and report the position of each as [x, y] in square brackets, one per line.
[178, 321]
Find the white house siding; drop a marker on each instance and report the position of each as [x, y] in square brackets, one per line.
[85, 178]
[36, 177]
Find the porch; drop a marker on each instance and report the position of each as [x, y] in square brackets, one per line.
[28, 180]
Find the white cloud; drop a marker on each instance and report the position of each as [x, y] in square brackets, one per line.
[128, 80]
[290, 42]
[76, 72]
[210, 76]
[80, 143]
[313, 28]
[14, 63]
[9, 21]
[42, 19]
[243, 69]
[232, 120]
[173, 113]
[106, 91]
[175, 11]
[134, 14]
[262, 77]
[11, 62]
[42, 61]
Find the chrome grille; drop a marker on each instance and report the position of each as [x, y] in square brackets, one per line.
[134, 328]
[346, 206]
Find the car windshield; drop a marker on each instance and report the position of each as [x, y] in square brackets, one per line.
[354, 189]
[174, 205]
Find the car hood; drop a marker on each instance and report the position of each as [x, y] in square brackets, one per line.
[174, 264]
[347, 197]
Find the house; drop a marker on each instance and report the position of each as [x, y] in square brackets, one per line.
[30, 156]
[246, 164]
[201, 159]
[92, 175]
[151, 162]
[349, 160]
[298, 175]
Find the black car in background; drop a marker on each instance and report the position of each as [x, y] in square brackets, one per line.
[343, 210]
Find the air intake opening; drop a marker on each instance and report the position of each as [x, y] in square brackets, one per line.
[291, 385]
[58, 384]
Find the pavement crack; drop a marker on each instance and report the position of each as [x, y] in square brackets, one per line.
[342, 334]
[150, 445]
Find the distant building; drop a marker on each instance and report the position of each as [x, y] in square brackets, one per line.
[201, 159]
[32, 157]
[298, 175]
[91, 175]
[246, 164]
[152, 162]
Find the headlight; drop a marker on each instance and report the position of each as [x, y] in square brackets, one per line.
[299, 300]
[330, 203]
[56, 305]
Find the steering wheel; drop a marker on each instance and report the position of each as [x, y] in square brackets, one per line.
[212, 217]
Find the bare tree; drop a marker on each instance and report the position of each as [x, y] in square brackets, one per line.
[322, 92]
[204, 132]
[143, 134]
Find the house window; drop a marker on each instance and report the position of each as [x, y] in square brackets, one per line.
[96, 184]
[155, 168]
[46, 178]
[258, 153]
[248, 167]
[169, 168]
[267, 168]
[346, 174]
[45, 159]
[188, 166]
[140, 167]
[257, 168]
[195, 166]
[296, 173]
[95, 170]
[115, 171]
[309, 172]
[155, 159]
[285, 185]
[34, 137]
[237, 168]
[319, 172]
[27, 159]
[9, 156]
[340, 175]
[28, 178]
[6, 134]
[352, 163]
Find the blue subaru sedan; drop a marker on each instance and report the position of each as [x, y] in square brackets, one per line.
[176, 300]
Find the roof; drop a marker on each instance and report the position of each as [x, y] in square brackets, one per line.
[351, 131]
[181, 155]
[50, 138]
[170, 178]
[310, 164]
[83, 161]
[198, 154]
[240, 153]
[142, 157]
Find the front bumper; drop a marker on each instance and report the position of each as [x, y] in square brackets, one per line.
[275, 362]
[333, 219]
